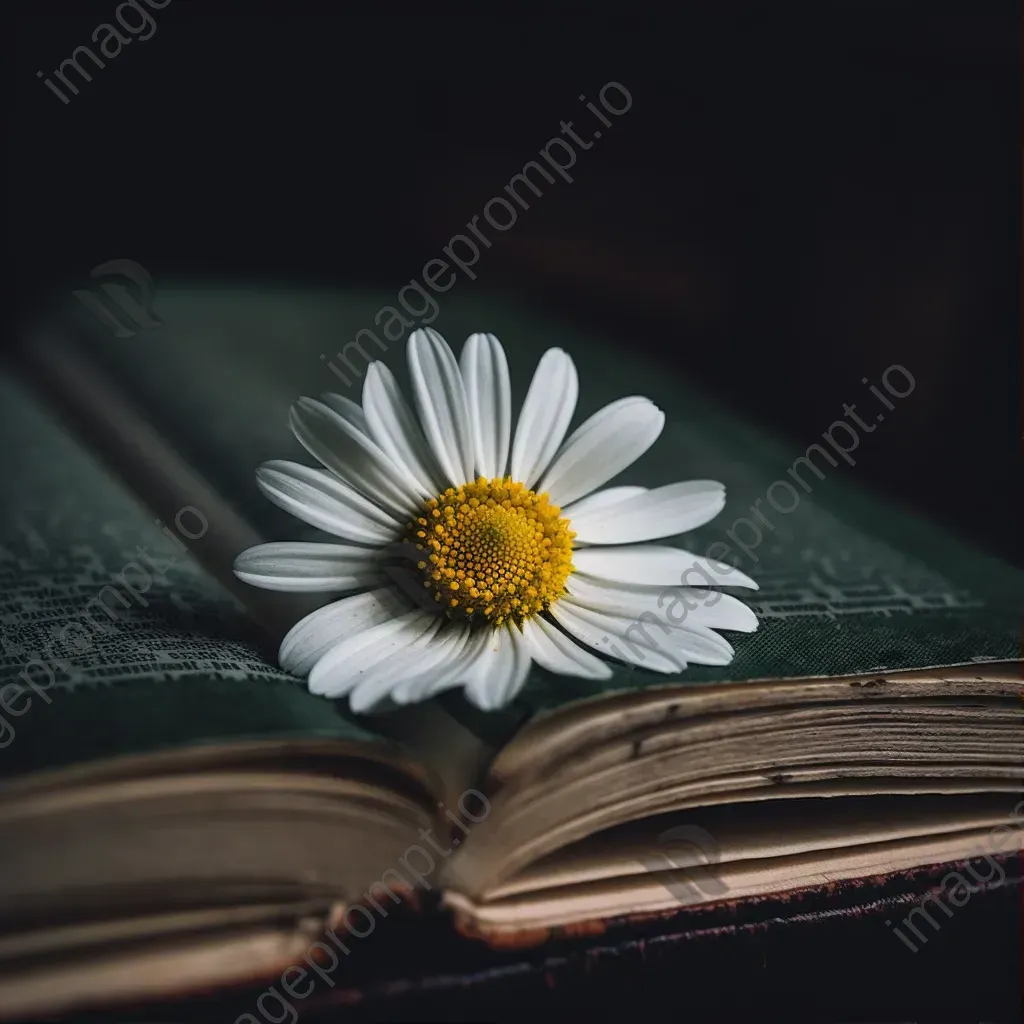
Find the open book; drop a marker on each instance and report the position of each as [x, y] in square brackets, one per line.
[180, 813]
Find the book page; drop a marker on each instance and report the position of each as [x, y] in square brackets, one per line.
[98, 593]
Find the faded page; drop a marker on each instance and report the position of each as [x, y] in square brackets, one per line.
[113, 639]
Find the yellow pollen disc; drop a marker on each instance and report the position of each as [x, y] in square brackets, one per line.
[492, 550]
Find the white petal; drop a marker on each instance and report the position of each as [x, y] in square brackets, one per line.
[441, 403]
[380, 680]
[493, 663]
[676, 620]
[435, 665]
[352, 456]
[347, 410]
[297, 566]
[661, 512]
[672, 606]
[612, 439]
[456, 671]
[600, 500]
[613, 635]
[312, 636]
[545, 415]
[392, 424]
[556, 652]
[489, 396]
[702, 645]
[722, 611]
[499, 671]
[342, 667]
[324, 501]
[658, 564]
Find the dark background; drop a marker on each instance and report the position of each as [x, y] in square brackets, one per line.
[799, 196]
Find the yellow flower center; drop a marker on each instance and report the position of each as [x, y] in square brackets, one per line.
[493, 550]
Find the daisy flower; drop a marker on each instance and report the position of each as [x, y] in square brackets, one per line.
[469, 552]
